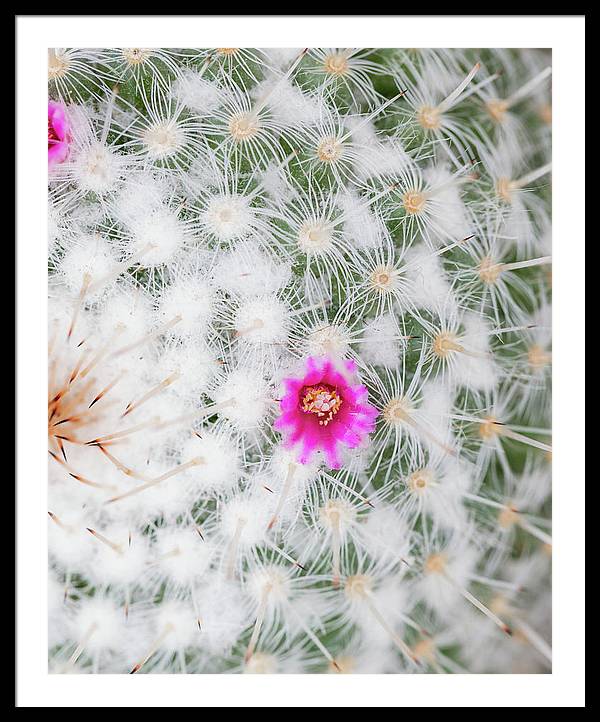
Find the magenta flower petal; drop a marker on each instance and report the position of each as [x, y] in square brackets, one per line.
[325, 408]
[58, 133]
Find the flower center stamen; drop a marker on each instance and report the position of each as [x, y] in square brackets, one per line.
[321, 400]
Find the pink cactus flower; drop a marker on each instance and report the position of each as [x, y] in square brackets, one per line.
[325, 408]
[58, 133]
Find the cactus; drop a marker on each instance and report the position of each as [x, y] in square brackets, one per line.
[299, 360]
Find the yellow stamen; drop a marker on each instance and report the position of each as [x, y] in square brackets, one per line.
[323, 401]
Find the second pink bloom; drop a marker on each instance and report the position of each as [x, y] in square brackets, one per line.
[58, 131]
